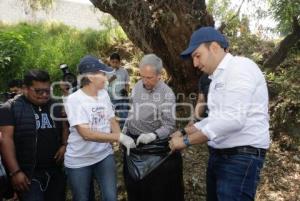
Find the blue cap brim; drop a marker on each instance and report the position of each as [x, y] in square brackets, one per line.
[107, 69]
[187, 53]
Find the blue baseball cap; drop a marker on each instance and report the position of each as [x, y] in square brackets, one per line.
[91, 64]
[203, 35]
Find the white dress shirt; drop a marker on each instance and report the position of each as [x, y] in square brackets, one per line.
[238, 105]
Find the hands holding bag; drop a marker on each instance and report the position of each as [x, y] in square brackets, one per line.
[127, 141]
[146, 138]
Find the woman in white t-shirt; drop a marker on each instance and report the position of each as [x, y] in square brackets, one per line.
[93, 127]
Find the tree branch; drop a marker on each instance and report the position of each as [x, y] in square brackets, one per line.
[223, 24]
[285, 45]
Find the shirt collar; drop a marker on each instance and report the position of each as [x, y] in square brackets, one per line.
[222, 65]
[154, 88]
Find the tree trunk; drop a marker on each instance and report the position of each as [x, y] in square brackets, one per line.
[162, 27]
[284, 46]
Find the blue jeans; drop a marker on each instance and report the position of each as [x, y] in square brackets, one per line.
[121, 107]
[46, 185]
[232, 177]
[80, 180]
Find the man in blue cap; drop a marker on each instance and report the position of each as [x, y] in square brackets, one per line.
[237, 126]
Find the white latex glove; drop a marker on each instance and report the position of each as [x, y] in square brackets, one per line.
[145, 138]
[127, 141]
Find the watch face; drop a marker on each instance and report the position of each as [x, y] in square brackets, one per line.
[186, 141]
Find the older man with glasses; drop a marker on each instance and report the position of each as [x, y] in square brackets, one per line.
[151, 171]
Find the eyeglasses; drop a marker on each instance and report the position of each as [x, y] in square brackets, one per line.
[40, 91]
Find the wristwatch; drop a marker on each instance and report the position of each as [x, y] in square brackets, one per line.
[186, 141]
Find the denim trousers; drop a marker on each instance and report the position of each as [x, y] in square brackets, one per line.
[121, 107]
[46, 185]
[80, 180]
[232, 177]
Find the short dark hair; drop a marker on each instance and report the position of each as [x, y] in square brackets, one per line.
[115, 55]
[36, 75]
[84, 80]
[207, 44]
[15, 83]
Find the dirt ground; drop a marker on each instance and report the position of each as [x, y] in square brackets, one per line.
[280, 177]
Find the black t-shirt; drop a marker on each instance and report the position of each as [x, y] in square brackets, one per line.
[203, 85]
[203, 88]
[48, 140]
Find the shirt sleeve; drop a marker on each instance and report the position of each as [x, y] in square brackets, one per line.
[76, 113]
[167, 110]
[230, 113]
[6, 115]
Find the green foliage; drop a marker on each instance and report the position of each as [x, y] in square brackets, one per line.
[223, 11]
[284, 11]
[45, 46]
[97, 41]
[283, 82]
[12, 48]
[219, 9]
[284, 87]
[249, 45]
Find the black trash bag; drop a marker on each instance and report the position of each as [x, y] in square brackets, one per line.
[146, 158]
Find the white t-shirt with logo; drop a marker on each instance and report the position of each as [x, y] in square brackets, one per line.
[83, 109]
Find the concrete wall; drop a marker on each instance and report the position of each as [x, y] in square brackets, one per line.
[73, 13]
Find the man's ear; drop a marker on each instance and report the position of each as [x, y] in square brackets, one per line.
[90, 77]
[215, 47]
[24, 89]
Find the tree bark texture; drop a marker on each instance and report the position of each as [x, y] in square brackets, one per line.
[162, 27]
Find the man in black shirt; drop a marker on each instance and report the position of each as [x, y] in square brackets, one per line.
[34, 143]
[201, 109]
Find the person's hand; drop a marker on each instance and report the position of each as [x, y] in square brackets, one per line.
[59, 156]
[123, 92]
[15, 197]
[127, 141]
[20, 182]
[176, 143]
[145, 138]
[65, 87]
[191, 122]
[176, 134]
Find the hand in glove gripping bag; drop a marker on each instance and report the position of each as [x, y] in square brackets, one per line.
[127, 141]
[146, 138]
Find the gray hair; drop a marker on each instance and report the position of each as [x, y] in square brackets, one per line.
[152, 60]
